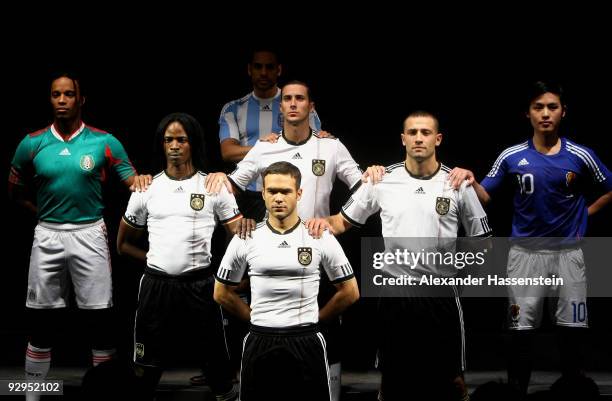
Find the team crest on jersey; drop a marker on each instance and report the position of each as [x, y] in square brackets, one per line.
[515, 311]
[304, 256]
[442, 205]
[139, 350]
[197, 201]
[570, 177]
[318, 167]
[87, 162]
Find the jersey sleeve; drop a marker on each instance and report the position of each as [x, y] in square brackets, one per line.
[226, 208]
[361, 205]
[248, 168]
[497, 175]
[347, 168]
[234, 263]
[228, 123]
[471, 213]
[136, 212]
[314, 121]
[593, 166]
[333, 259]
[117, 158]
[21, 166]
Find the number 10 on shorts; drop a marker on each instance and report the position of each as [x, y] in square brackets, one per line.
[579, 312]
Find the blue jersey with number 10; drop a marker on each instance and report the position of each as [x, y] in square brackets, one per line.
[549, 198]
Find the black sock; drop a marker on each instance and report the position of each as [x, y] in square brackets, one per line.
[571, 342]
[520, 361]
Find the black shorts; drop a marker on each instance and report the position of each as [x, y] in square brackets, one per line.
[331, 329]
[421, 341]
[179, 313]
[235, 330]
[284, 364]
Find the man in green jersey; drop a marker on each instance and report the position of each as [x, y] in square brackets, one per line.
[66, 164]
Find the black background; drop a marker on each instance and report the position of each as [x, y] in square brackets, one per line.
[364, 82]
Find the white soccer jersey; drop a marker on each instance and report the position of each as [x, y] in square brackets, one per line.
[284, 272]
[418, 207]
[180, 220]
[250, 118]
[320, 161]
[423, 209]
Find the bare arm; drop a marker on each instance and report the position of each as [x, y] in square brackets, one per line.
[483, 195]
[336, 224]
[458, 175]
[231, 228]
[232, 151]
[214, 182]
[226, 296]
[19, 194]
[347, 293]
[126, 240]
[374, 172]
[600, 203]
[129, 181]
[139, 183]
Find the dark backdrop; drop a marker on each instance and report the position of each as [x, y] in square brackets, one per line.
[363, 86]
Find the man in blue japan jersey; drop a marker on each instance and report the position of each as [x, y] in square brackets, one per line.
[66, 164]
[550, 174]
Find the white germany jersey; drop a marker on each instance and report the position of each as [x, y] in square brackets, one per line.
[284, 271]
[418, 207]
[416, 213]
[320, 161]
[180, 220]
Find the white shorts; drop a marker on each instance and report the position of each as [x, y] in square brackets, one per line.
[567, 302]
[70, 252]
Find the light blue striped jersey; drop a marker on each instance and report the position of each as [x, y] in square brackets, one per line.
[250, 118]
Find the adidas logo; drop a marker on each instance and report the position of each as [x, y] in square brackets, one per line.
[284, 244]
[420, 191]
[179, 190]
[65, 152]
[297, 156]
[523, 162]
[266, 107]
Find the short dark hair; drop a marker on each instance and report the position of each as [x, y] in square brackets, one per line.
[302, 83]
[422, 113]
[264, 49]
[539, 88]
[74, 77]
[283, 168]
[194, 132]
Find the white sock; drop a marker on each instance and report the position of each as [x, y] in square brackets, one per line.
[102, 355]
[37, 363]
[335, 381]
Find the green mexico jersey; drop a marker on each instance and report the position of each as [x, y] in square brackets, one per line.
[68, 174]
